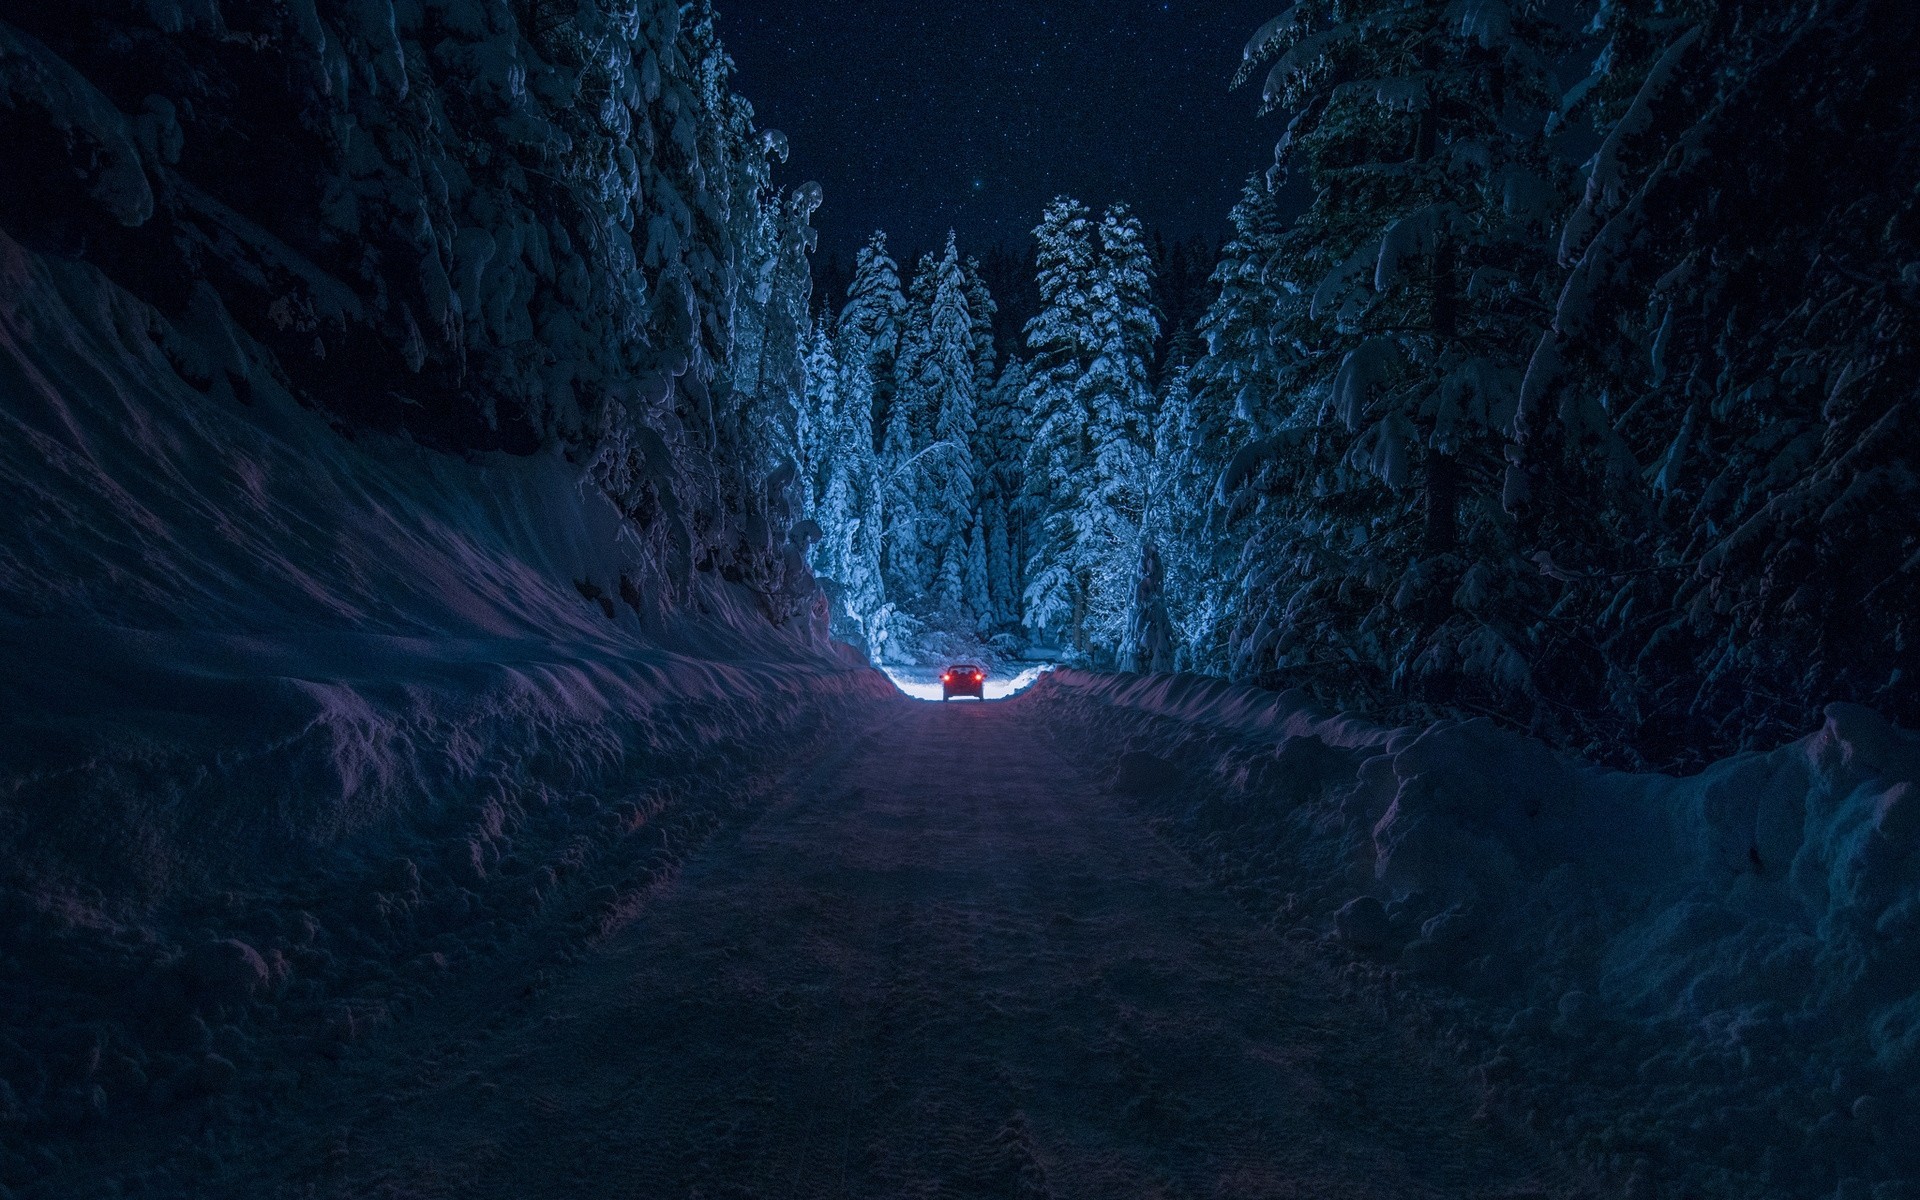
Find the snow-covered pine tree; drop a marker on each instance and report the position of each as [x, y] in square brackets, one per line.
[755, 298]
[1116, 395]
[977, 596]
[1147, 643]
[866, 592]
[1000, 450]
[836, 556]
[982, 308]
[869, 327]
[1191, 440]
[1733, 530]
[1240, 368]
[1412, 293]
[903, 556]
[1002, 565]
[768, 376]
[944, 388]
[853, 508]
[909, 561]
[837, 458]
[916, 334]
[1089, 406]
[1059, 455]
[1227, 363]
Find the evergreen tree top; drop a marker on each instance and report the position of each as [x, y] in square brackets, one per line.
[875, 304]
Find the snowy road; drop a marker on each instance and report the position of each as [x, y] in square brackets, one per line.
[948, 963]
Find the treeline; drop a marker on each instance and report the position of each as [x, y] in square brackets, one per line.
[956, 498]
[1614, 444]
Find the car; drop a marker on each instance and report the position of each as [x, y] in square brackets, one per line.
[963, 679]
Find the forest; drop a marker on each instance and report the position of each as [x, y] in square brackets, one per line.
[1581, 406]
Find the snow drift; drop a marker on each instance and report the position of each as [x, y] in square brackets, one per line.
[1725, 961]
[397, 564]
[294, 721]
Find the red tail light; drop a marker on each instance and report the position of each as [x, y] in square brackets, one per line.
[946, 679]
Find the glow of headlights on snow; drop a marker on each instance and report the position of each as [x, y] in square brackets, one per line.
[923, 683]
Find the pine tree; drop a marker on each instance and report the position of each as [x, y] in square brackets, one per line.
[1148, 643]
[982, 309]
[1229, 365]
[903, 554]
[944, 389]
[838, 456]
[1002, 569]
[1714, 447]
[977, 598]
[916, 336]
[869, 327]
[1191, 436]
[1255, 289]
[1116, 393]
[817, 423]
[1060, 451]
[1001, 445]
[866, 594]
[1414, 286]
[1091, 412]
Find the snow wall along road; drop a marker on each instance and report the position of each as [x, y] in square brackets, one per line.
[1706, 983]
[308, 690]
[293, 722]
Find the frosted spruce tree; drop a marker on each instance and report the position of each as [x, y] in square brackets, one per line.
[1715, 433]
[1000, 443]
[976, 604]
[755, 298]
[1059, 455]
[908, 568]
[866, 344]
[839, 462]
[1119, 400]
[1403, 307]
[982, 309]
[1191, 440]
[868, 331]
[816, 425]
[944, 389]
[1217, 383]
[1090, 410]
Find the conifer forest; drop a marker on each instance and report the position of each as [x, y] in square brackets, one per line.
[1608, 449]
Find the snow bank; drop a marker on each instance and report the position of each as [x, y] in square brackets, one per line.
[1707, 982]
[295, 722]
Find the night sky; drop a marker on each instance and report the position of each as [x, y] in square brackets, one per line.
[920, 115]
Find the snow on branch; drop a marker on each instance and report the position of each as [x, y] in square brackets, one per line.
[1305, 56]
[1267, 39]
[1365, 367]
[1605, 177]
[1414, 236]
